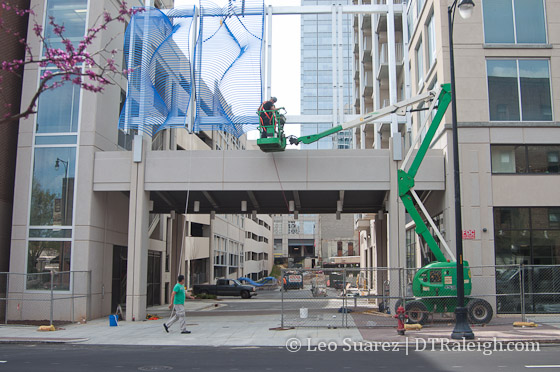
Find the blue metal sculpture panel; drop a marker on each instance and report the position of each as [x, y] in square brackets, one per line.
[227, 68]
[228, 65]
[157, 50]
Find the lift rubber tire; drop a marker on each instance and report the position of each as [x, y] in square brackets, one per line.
[399, 303]
[245, 294]
[417, 312]
[479, 311]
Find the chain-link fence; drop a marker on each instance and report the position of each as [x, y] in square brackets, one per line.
[354, 297]
[48, 297]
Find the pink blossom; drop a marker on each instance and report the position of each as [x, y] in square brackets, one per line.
[46, 74]
[38, 29]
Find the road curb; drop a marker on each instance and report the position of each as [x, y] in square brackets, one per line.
[40, 340]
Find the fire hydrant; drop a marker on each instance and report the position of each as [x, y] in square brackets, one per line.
[401, 318]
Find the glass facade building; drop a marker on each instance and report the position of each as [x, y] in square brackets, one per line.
[56, 132]
[317, 76]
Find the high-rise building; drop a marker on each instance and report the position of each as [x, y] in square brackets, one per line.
[317, 69]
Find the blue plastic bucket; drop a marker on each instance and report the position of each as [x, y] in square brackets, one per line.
[113, 320]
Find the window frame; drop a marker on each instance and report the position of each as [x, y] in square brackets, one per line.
[419, 69]
[526, 159]
[546, 41]
[519, 95]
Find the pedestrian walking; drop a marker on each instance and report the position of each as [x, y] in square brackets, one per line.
[177, 303]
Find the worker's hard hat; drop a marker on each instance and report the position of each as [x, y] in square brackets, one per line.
[273, 99]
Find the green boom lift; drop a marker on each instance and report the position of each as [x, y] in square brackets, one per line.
[434, 287]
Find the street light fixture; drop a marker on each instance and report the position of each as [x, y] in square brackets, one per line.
[462, 328]
[56, 167]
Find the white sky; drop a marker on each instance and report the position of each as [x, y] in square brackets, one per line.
[285, 84]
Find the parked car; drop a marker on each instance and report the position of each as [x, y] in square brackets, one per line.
[226, 287]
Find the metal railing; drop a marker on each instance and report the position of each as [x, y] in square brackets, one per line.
[45, 297]
[358, 297]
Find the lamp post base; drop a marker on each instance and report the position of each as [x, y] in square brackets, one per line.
[462, 329]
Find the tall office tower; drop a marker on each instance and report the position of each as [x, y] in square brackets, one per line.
[317, 72]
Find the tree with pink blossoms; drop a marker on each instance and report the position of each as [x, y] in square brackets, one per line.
[66, 62]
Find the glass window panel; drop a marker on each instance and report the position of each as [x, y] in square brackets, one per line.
[498, 21]
[52, 195]
[58, 109]
[56, 140]
[419, 6]
[546, 247]
[310, 66]
[544, 159]
[539, 218]
[325, 78]
[50, 233]
[512, 247]
[324, 40]
[325, 53]
[70, 13]
[309, 41]
[529, 21]
[508, 159]
[410, 22]
[309, 53]
[554, 218]
[511, 219]
[535, 90]
[503, 94]
[44, 257]
[420, 63]
[431, 42]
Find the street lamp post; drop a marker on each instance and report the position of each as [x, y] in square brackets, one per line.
[56, 167]
[462, 328]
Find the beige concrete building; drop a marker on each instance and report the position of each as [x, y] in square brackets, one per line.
[61, 224]
[507, 80]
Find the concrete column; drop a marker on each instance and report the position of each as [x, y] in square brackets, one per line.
[363, 109]
[177, 259]
[396, 231]
[137, 265]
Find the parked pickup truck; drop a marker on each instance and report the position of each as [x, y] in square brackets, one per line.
[226, 287]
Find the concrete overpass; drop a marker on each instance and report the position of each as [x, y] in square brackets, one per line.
[364, 181]
[219, 180]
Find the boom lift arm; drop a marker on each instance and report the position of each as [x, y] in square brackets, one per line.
[406, 178]
[399, 108]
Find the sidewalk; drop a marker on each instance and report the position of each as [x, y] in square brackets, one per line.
[234, 330]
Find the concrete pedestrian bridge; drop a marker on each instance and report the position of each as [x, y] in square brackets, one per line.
[220, 180]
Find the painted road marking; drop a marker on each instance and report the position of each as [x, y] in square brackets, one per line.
[544, 366]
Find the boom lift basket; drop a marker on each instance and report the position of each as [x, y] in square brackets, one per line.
[276, 141]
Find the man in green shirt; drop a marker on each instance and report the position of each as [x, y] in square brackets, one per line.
[178, 304]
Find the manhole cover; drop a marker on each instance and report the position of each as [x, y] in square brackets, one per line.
[155, 368]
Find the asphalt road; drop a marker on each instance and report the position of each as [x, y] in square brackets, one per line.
[271, 301]
[86, 358]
